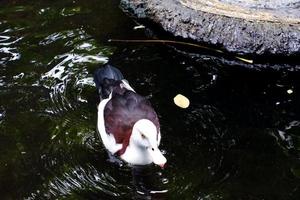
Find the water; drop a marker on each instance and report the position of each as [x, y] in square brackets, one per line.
[239, 139]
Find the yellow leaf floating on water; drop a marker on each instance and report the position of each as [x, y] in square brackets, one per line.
[181, 101]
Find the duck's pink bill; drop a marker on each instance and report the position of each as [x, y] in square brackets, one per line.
[162, 166]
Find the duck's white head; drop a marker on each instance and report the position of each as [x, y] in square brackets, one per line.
[144, 142]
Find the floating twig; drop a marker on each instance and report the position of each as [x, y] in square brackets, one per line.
[180, 43]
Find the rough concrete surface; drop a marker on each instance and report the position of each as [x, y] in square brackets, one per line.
[253, 27]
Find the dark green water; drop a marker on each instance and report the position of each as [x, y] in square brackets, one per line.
[239, 139]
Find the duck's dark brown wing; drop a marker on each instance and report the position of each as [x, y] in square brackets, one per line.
[121, 113]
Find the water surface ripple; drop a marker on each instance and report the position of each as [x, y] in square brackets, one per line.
[239, 139]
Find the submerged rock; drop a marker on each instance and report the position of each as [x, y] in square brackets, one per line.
[244, 27]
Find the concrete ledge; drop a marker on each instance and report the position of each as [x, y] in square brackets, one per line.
[244, 27]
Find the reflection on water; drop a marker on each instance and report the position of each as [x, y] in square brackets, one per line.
[289, 138]
[86, 181]
[8, 50]
[239, 139]
[81, 178]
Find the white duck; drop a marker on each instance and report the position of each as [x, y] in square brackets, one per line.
[128, 125]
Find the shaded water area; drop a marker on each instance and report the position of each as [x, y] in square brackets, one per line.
[239, 139]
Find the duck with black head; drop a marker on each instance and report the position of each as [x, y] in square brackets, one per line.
[127, 123]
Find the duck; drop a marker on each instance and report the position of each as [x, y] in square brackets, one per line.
[127, 123]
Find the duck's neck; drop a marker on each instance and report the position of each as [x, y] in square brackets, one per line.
[136, 155]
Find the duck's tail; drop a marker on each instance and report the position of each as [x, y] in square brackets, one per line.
[104, 79]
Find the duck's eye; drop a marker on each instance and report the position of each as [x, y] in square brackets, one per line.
[143, 136]
[152, 149]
